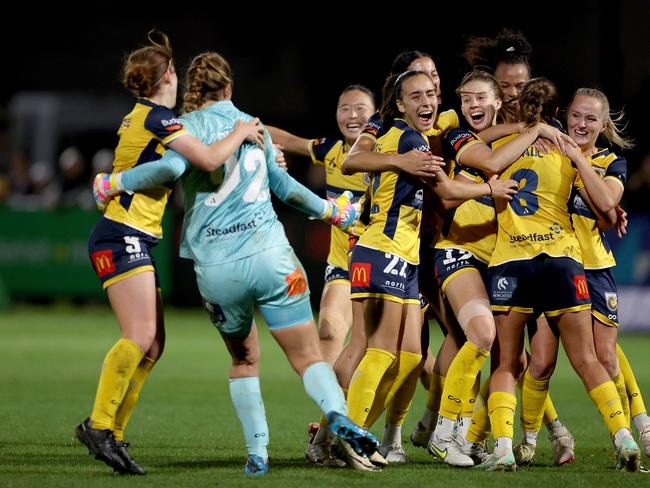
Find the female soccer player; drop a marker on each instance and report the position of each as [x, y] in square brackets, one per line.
[537, 249]
[242, 258]
[464, 249]
[588, 118]
[355, 105]
[384, 261]
[120, 243]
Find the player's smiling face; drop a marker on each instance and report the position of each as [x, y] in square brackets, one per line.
[511, 78]
[479, 104]
[585, 121]
[418, 102]
[427, 65]
[352, 113]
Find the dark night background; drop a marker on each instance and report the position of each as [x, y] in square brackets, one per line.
[289, 68]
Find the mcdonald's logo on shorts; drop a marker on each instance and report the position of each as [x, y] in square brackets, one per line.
[361, 274]
[582, 291]
[103, 262]
[296, 282]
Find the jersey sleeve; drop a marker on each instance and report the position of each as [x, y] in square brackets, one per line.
[617, 170]
[457, 142]
[412, 139]
[373, 127]
[318, 149]
[166, 169]
[164, 124]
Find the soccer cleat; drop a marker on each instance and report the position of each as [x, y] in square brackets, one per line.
[101, 443]
[361, 440]
[394, 454]
[321, 455]
[104, 187]
[312, 430]
[562, 445]
[643, 469]
[449, 451]
[628, 456]
[378, 459]
[524, 453]
[478, 451]
[256, 466]
[494, 462]
[644, 439]
[340, 211]
[131, 466]
[420, 435]
[359, 462]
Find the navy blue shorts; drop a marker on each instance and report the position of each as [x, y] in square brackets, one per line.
[604, 296]
[450, 262]
[544, 284]
[118, 251]
[334, 274]
[378, 274]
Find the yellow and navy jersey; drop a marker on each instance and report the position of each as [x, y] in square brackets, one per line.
[537, 221]
[143, 134]
[331, 153]
[396, 199]
[446, 120]
[596, 253]
[472, 225]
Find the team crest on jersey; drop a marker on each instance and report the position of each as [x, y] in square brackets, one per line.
[611, 298]
[126, 123]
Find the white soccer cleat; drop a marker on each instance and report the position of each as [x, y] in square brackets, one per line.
[494, 462]
[628, 456]
[421, 435]
[562, 445]
[378, 459]
[524, 453]
[320, 455]
[394, 454]
[359, 462]
[478, 451]
[449, 451]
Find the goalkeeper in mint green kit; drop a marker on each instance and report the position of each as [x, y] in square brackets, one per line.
[242, 257]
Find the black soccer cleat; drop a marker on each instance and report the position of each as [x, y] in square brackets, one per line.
[101, 443]
[132, 466]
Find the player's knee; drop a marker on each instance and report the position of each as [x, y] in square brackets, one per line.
[331, 327]
[476, 319]
[541, 368]
[609, 361]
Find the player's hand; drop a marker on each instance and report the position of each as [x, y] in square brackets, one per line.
[104, 187]
[251, 131]
[558, 138]
[621, 221]
[278, 150]
[503, 189]
[341, 212]
[419, 163]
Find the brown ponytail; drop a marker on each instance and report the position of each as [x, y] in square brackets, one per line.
[144, 68]
[207, 77]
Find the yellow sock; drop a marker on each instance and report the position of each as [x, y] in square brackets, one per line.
[550, 414]
[619, 382]
[534, 393]
[365, 381]
[460, 379]
[606, 399]
[399, 401]
[479, 430]
[125, 410]
[435, 391]
[501, 408]
[468, 406]
[379, 402]
[119, 365]
[637, 405]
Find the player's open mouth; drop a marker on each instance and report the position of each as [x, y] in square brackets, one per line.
[477, 117]
[425, 116]
[354, 126]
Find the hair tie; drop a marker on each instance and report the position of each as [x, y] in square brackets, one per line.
[510, 49]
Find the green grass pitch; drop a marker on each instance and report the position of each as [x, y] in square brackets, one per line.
[185, 431]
